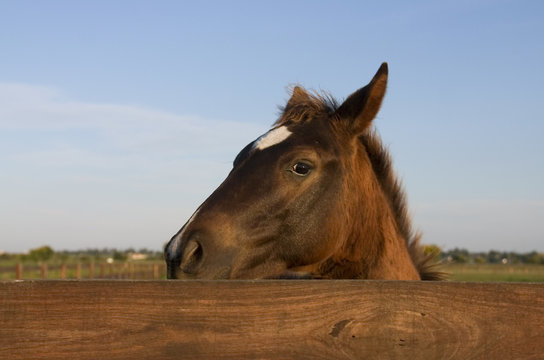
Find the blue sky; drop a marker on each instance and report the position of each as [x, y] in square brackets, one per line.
[118, 118]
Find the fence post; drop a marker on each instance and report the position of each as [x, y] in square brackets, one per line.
[111, 271]
[63, 271]
[91, 270]
[102, 270]
[131, 271]
[19, 271]
[78, 271]
[43, 270]
[155, 271]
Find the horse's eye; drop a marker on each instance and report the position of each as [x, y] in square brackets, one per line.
[301, 168]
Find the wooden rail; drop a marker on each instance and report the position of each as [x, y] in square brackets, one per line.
[99, 319]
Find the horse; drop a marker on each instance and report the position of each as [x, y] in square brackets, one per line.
[313, 198]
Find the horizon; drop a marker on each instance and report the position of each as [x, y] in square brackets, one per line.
[144, 250]
[118, 119]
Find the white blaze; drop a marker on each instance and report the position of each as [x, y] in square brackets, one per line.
[273, 137]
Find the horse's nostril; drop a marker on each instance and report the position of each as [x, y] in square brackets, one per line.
[192, 257]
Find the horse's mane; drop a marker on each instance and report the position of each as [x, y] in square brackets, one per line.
[305, 106]
[392, 187]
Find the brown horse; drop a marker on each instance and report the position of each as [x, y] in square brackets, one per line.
[315, 197]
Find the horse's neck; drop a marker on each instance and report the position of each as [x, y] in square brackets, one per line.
[394, 262]
[373, 247]
[379, 247]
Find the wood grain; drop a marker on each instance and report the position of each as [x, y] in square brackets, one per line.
[98, 319]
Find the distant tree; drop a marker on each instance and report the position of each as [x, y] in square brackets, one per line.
[119, 256]
[513, 258]
[460, 256]
[494, 257]
[534, 258]
[7, 256]
[63, 256]
[43, 253]
[432, 250]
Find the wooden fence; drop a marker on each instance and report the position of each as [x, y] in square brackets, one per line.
[140, 271]
[102, 319]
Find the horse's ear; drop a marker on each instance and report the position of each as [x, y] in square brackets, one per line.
[299, 96]
[361, 107]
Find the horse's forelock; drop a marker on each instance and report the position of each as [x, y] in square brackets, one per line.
[305, 106]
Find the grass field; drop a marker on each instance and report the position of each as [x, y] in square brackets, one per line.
[495, 272]
[144, 270]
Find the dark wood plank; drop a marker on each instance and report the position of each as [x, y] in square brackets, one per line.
[270, 320]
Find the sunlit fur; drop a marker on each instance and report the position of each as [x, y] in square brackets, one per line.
[304, 106]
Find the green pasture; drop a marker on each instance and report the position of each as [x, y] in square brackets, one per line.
[495, 272]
